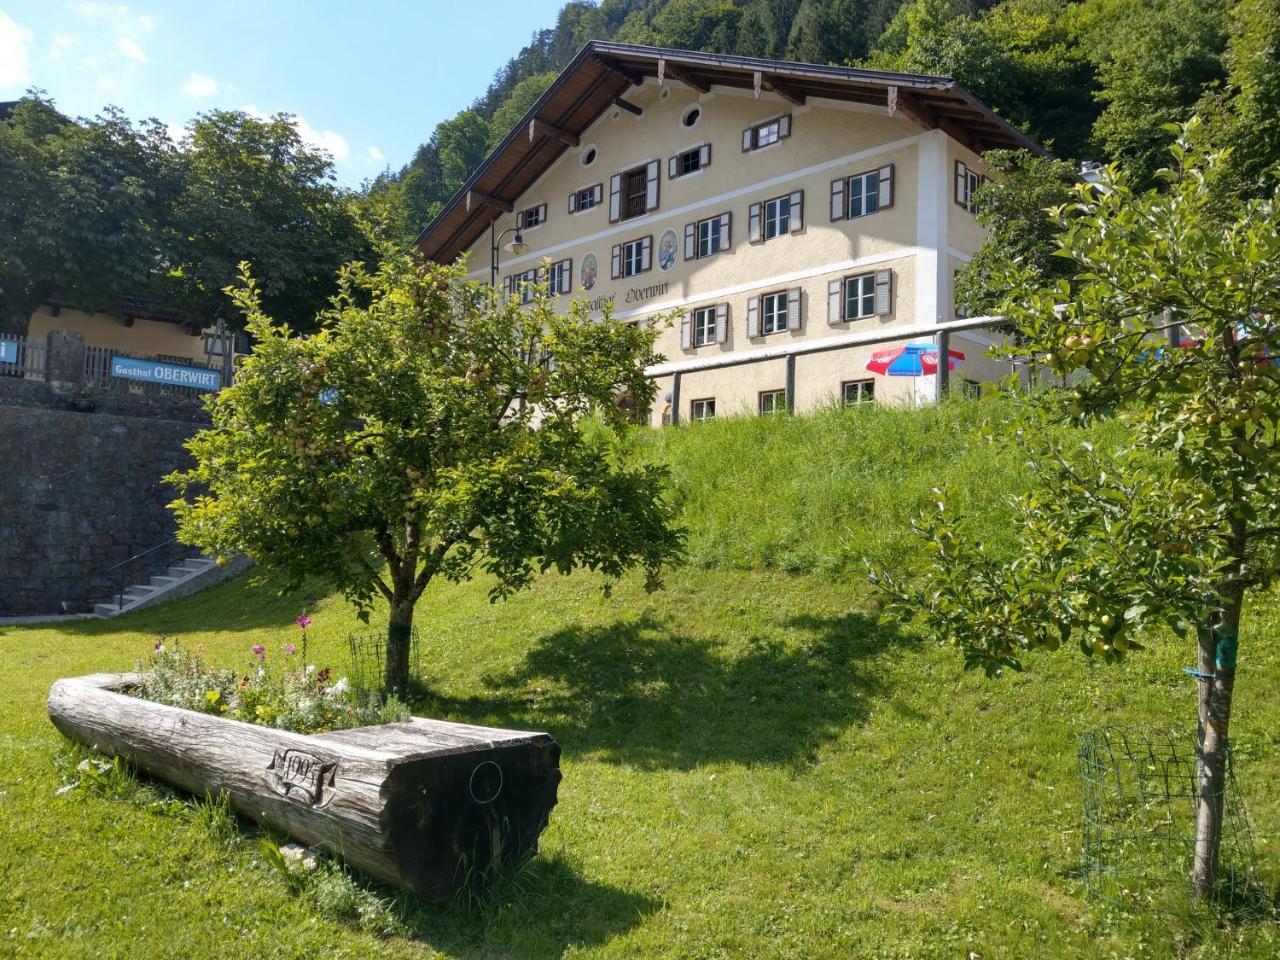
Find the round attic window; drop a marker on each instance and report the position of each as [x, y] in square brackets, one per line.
[691, 116]
[589, 156]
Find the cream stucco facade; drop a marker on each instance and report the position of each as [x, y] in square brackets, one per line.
[140, 338]
[915, 243]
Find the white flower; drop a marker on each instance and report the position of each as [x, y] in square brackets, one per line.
[340, 687]
[311, 668]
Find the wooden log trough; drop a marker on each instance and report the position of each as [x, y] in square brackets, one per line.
[426, 805]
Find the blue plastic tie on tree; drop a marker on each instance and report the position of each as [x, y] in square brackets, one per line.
[1193, 672]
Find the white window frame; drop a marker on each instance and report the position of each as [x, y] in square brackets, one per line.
[866, 294]
[523, 284]
[967, 183]
[702, 410]
[868, 189]
[773, 213]
[708, 237]
[767, 134]
[864, 391]
[779, 315]
[705, 330]
[586, 199]
[633, 257]
[774, 396]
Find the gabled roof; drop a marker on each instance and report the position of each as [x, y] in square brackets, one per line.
[602, 73]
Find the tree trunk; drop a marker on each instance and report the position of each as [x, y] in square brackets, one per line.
[399, 634]
[1217, 658]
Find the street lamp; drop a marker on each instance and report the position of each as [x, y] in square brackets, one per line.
[516, 246]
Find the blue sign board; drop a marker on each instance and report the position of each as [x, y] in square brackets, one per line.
[175, 374]
[8, 351]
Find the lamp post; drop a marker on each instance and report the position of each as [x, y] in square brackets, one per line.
[516, 246]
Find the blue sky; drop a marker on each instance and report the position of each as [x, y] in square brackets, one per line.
[368, 81]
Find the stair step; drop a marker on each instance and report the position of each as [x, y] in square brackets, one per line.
[160, 582]
[105, 609]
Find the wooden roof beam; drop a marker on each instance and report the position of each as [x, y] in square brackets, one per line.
[784, 90]
[612, 65]
[683, 75]
[628, 106]
[540, 128]
[476, 198]
[919, 112]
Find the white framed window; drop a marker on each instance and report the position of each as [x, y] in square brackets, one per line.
[524, 285]
[772, 402]
[632, 257]
[967, 183]
[854, 392]
[562, 276]
[860, 296]
[704, 326]
[586, 198]
[689, 161]
[701, 410]
[777, 217]
[706, 238]
[773, 313]
[766, 134]
[533, 217]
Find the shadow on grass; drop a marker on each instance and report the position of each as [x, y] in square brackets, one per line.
[545, 909]
[635, 692]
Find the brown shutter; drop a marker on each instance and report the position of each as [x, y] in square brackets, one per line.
[726, 222]
[651, 194]
[748, 139]
[573, 202]
[960, 180]
[671, 167]
[686, 330]
[646, 253]
[753, 317]
[598, 191]
[835, 303]
[690, 241]
[793, 309]
[796, 213]
[884, 292]
[615, 198]
[886, 187]
[520, 220]
[722, 323]
[839, 209]
[704, 155]
[784, 126]
[616, 270]
[754, 233]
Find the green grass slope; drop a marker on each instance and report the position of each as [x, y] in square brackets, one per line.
[753, 765]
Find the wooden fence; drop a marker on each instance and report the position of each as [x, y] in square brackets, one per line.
[30, 358]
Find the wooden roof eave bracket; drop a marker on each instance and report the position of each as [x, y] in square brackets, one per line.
[539, 128]
[635, 79]
[684, 76]
[628, 106]
[921, 113]
[784, 89]
[483, 199]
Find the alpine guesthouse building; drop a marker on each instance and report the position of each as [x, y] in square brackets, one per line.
[795, 216]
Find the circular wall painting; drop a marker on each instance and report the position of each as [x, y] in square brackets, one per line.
[588, 271]
[667, 250]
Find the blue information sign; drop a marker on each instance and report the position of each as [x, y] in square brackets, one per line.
[8, 351]
[152, 371]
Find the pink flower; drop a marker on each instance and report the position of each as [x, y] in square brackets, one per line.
[290, 649]
[303, 621]
[259, 651]
[159, 647]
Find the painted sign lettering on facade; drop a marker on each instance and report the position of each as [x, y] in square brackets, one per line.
[8, 351]
[636, 294]
[152, 371]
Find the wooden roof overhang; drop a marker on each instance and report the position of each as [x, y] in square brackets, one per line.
[600, 76]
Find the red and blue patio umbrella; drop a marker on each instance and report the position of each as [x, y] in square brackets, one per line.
[911, 360]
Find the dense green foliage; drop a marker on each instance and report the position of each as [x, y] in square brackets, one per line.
[97, 211]
[433, 426]
[754, 766]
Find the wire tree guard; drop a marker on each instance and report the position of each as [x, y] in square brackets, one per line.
[1139, 791]
[368, 651]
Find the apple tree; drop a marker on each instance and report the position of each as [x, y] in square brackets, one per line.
[430, 427]
[1167, 327]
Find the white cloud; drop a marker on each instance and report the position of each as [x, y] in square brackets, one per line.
[335, 143]
[60, 44]
[129, 47]
[198, 85]
[107, 82]
[146, 23]
[15, 58]
[375, 154]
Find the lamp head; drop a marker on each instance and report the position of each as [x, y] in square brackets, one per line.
[517, 244]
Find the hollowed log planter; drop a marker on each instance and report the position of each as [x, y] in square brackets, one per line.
[426, 805]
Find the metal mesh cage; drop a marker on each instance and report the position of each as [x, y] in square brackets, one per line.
[368, 651]
[1139, 791]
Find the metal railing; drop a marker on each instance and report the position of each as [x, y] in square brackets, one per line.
[30, 358]
[117, 572]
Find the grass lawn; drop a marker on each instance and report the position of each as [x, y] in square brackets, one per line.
[753, 767]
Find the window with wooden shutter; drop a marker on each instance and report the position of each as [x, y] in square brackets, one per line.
[726, 236]
[884, 292]
[562, 276]
[886, 186]
[646, 253]
[767, 133]
[673, 164]
[835, 309]
[967, 183]
[689, 161]
[686, 331]
[690, 240]
[796, 211]
[838, 211]
[651, 193]
[860, 296]
[586, 198]
[615, 198]
[754, 234]
[703, 321]
[753, 317]
[722, 323]
[777, 218]
[870, 192]
[615, 269]
[532, 217]
[793, 308]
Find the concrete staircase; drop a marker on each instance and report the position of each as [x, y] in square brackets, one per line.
[180, 580]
